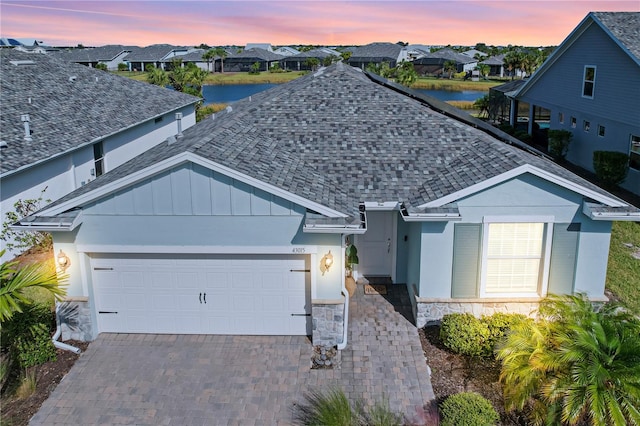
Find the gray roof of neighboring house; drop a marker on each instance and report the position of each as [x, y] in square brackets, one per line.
[156, 52]
[193, 56]
[315, 53]
[448, 55]
[494, 60]
[625, 26]
[263, 46]
[340, 137]
[92, 54]
[262, 54]
[69, 105]
[376, 50]
[508, 88]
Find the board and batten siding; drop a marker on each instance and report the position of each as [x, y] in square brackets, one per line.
[617, 83]
[193, 190]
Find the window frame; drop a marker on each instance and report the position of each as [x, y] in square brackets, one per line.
[634, 139]
[545, 256]
[561, 117]
[574, 122]
[601, 130]
[591, 82]
[586, 125]
[98, 159]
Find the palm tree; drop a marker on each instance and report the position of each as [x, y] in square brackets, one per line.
[484, 70]
[406, 74]
[157, 76]
[196, 79]
[450, 67]
[15, 281]
[513, 60]
[221, 53]
[209, 56]
[576, 364]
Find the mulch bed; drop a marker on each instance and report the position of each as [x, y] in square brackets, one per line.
[16, 411]
[452, 373]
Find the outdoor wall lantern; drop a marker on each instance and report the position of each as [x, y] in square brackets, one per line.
[326, 262]
[63, 261]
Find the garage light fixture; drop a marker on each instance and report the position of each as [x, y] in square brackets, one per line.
[326, 262]
[63, 261]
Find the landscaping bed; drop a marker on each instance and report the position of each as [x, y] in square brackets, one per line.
[453, 373]
[17, 411]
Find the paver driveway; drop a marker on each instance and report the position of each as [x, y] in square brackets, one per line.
[240, 380]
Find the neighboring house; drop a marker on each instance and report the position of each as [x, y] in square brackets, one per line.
[414, 51]
[157, 55]
[377, 53]
[240, 226]
[299, 62]
[500, 102]
[496, 65]
[286, 51]
[64, 124]
[110, 55]
[474, 53]
[590, 86]
[434, 63]
[193, 57]
[263, 46]
[243, 61]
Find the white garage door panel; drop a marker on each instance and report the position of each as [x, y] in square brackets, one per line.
[202, 295]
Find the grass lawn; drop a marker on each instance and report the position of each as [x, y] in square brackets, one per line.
[623, 271]
[231, 77]
[431, 83]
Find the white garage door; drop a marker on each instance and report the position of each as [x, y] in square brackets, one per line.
[257, 294]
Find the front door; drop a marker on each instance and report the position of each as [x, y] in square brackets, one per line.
[376, 247]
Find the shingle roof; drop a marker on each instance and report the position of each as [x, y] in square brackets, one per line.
[494, 60]
[625, 26]
[338, 138]
[69, 105]
[193, 56]
[448, 55]
[93, 54]
[314, 53]
[376, 50]
[265, 55]
[156, 52]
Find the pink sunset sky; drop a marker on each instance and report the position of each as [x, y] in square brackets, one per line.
[141, 23]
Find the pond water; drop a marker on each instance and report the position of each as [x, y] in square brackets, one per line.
[448, 95]
[216, 94]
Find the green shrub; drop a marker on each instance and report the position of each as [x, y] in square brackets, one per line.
[102, 67]
[499, 325]
[325, 408]
[123, 67]
[507, 128]
[559, 141]
[28, 335]
[611, 167]
[460, 75]
[468, 409]
[466, 334]
[35, 347]
[523, 136]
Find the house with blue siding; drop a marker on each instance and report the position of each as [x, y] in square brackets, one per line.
[241, 226]
[64, 125]
[590, 86]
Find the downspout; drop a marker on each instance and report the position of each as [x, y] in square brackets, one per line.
[345, 293]
[57, 334]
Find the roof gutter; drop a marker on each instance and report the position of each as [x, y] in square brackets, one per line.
[591, 211]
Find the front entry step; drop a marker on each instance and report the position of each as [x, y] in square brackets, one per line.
[379, 279]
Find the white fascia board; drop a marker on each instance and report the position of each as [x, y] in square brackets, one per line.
[182, 158]
[527, 168]
[609, 216]
[373, 206]
[435, 217]
[164, 249]
[319, 229]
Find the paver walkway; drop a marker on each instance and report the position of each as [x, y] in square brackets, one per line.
[240, 380]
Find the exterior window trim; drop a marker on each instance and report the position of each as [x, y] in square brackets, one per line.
[547, 236]
[561, 117]
[631, 142]
[574, 122]
[592, 82]
[601, 130]
[586, 125]
[99, 166]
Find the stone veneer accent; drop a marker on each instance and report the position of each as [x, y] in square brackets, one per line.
[328, 322]
[74, 314]
[428, 311]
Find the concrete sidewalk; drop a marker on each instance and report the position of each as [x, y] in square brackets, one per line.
[240, 380]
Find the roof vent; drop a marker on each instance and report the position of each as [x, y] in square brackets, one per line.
[179, 121]
[171, 140]
[228, 109]
[213, 116]
[27, 130]
[4, 144]
[73, 78]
